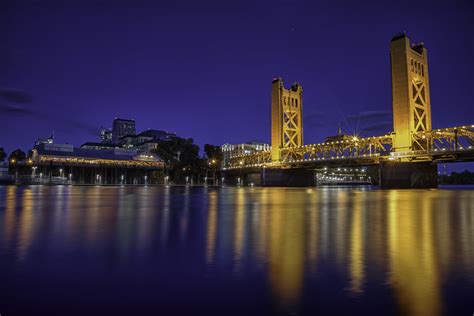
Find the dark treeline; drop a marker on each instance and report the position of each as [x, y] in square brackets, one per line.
[465, 177]
[181, 157]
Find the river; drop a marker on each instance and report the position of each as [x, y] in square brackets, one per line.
[71, 250]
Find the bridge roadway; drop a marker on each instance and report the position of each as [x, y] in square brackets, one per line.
[445, 145]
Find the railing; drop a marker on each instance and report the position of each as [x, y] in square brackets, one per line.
[426, 145]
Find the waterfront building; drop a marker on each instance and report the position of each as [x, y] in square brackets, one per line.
[98, 146]
[235, 150]
[121, 128]
[64, 163]
[5, 177]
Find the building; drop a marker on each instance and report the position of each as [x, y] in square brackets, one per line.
[158, 135]
[340, 137]
[98, 146]
[64, 163]
[410, 91]
[106, 136]
[231, 151]
[121, 128]
[48, 140]
[147, 140]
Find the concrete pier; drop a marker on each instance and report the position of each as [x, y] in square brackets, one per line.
[408, 175]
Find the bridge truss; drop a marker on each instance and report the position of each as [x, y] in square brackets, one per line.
[447, 144]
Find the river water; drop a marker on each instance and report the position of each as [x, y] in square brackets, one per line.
[235, 251]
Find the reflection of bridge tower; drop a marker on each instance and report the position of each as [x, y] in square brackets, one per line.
[410, 91]
[287, 120]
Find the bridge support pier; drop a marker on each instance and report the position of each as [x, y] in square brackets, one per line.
[287, 177]
[271, 177]
[407, 175]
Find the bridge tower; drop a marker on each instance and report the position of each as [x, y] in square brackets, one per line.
[287, 119]
[410, 91]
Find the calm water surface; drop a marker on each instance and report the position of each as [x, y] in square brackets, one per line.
[235, 251]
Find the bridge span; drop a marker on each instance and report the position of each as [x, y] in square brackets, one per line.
[404, 158]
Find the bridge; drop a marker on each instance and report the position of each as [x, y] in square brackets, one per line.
[404, 158]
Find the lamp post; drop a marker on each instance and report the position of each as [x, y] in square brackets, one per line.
[33, 171]
[216, 180]
[13, 163]
[240, 171]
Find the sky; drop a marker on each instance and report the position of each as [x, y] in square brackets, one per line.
[203, 69]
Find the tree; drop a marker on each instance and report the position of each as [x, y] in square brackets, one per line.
[16, 155]
[213, 152]
[3, 154]
[464, 177]
[181, 157]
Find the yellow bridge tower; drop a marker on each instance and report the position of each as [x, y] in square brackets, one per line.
[410, 92]
[287, 119]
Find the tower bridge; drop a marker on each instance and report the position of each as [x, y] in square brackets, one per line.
[406, 157]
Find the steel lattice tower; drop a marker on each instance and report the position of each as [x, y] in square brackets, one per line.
[287, 119]
[410, 92]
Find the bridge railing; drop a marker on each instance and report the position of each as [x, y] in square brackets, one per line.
[445, 139]
[345, 147]
[426, 145]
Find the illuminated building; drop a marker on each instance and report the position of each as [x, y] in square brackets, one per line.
[235, 150]
[145, 141]
[63, 163]
[106, 135]
[410, 92]
[98, 146]
[48, 140]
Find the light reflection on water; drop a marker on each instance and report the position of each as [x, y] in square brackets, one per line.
[239, 250]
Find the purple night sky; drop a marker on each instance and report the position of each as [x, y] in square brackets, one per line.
[203, 69]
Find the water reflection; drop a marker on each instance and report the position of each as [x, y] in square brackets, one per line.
[413, 265]
[211, 227]
[400, 247]
[356, 252]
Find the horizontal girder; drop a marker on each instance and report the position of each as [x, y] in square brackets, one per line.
[447, 144]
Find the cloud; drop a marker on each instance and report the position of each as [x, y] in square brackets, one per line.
[15, 110]
[369, 115]
[379, 127]
[78, 125]
[316, 119]
[313, 115]
[17, 96]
